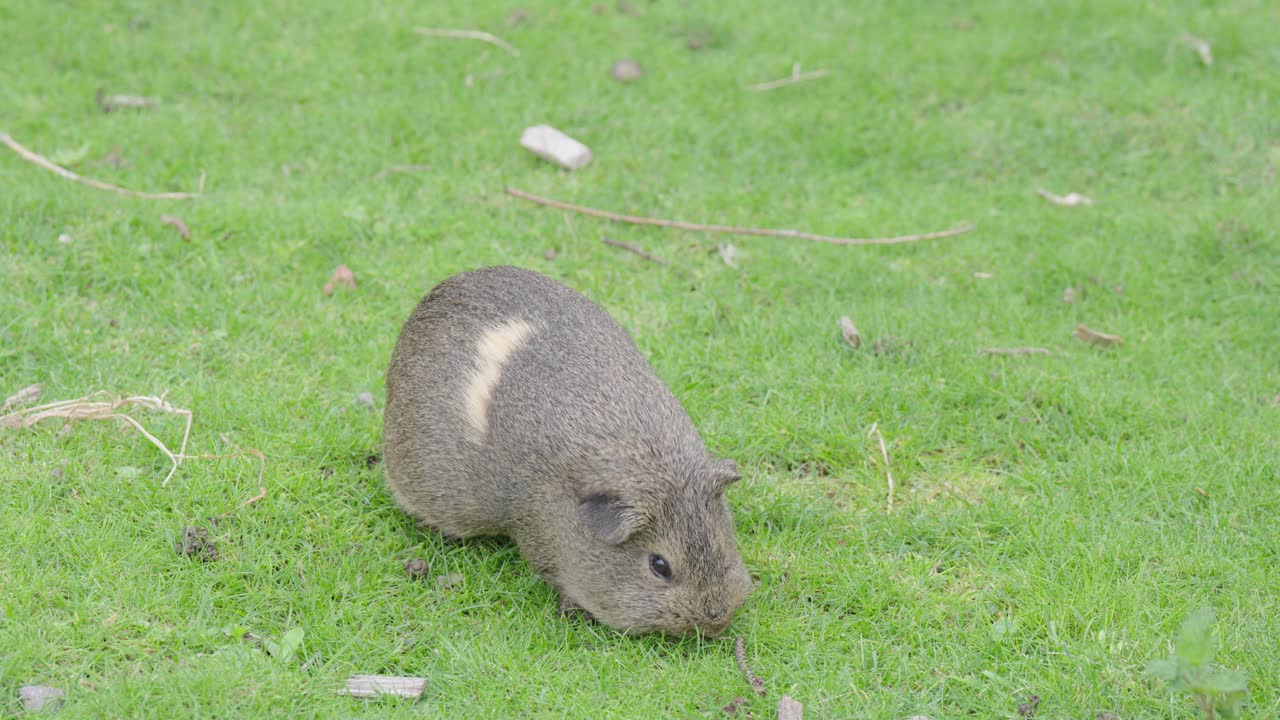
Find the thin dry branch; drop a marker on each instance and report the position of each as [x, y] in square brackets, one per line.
[795, 77]
[400, 169]
[86, 408]
[1015, 351]
[43, 162]
[740, 652]
[874, 432]
[698, 227]
[632, 248]
[468, 35]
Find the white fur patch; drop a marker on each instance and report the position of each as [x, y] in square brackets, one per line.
[493, 351]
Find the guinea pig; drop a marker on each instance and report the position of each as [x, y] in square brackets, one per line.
[517, 407]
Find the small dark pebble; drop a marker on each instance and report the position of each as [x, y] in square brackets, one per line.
[195, 542]
[372, 461]
[417, 569]
[1028, 708]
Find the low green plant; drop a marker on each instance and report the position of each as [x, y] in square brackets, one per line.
[1217, 691]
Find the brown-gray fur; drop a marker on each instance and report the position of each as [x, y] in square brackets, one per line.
[588, 461]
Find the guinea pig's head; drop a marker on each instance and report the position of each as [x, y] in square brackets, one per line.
[655, 547]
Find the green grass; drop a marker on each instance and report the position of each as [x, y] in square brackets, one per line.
[1056, 517]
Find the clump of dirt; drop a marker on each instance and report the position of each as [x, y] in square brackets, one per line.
[195, 542]
[417, 569]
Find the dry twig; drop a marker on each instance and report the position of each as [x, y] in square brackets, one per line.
[1014, 351]
[399, 169]
[86, 408]
[698, 227]
[740, 652]
[884, 453]
[1200, 46]
[176, 223]
[43, 162]
[110, 103]
[25, 396]
[1096, 337]
[468, 35]
[796, 77]
[632, 248]
[1071, 199]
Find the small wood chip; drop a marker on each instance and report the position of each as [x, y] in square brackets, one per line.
[851, 334]
[626, 71]
[35, 698]
[1072, 199]
[369, 686]
[790, 709]
[1096, 337]
[740, 653]
[176, 223]
[554, 146]
[444, 582]
[980, 275]
[25, 396]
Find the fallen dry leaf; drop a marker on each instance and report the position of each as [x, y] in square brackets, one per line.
[417, 569]
[1200, 46]
[790, 709]
[850, 333]
[1095, 337]
[35, 698]
[176, 223]
[1072, 199]
[25, 396]
[342, 278]
[444, 582]
[626, 71]
[729, 254]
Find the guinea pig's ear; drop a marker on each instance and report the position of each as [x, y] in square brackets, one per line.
[723, 474]
[609, 518]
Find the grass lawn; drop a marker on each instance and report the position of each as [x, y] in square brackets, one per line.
[1055, 516]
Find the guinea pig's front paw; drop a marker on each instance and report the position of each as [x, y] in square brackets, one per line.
[569, 607]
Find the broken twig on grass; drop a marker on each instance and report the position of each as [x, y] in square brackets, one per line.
[43, 162]
[176, 223]
[1096, 337]
[796, 77]
[633, 249]
[698, 227]
[400, 169]
[25, 396]
[884, 453]
[1014, 351]
[740, 652]
[468, 35]
[1071, 199]
[111, 103]
[86, 408]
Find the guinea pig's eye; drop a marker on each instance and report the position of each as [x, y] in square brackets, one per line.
[660, 566]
